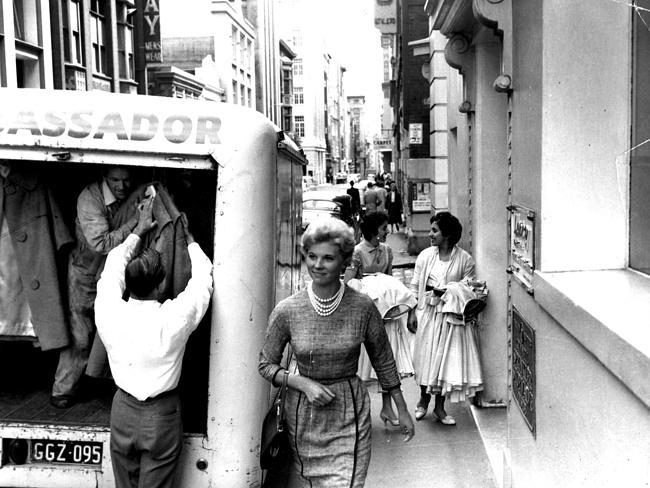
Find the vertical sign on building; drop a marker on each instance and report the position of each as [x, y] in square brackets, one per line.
[152, 43]
[386, 16]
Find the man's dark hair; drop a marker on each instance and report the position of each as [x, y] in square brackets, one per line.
[449, 225]
[144, 273]
[371, 223]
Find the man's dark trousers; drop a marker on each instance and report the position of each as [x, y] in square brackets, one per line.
[146, 440]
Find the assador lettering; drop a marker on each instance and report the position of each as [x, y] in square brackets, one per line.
[176, 129]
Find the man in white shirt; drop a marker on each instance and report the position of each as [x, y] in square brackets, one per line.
[145, 341]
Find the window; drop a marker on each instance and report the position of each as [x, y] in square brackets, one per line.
[242, 50]
[299, 125]
[29, 51]
[242, 95]
[297, 67]
[249, 95]
[234, 36]
[298, 95]
[73, 34]
[27, 21]
[286, 119]
[125, 40]
[98, 35]
[249, 54]
[639, 157]
[234, 91]
[297, 39]
[287, 85]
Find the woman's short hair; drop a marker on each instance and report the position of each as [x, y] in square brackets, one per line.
[449, 226]
[144, 273]
[371, 223]
[329, 230]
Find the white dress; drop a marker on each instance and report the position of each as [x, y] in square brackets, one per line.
[446, 355]
[393, 300]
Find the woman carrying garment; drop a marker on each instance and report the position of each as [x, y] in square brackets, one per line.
[446, 356]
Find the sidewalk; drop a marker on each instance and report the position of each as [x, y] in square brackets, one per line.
[397, 242]
[438, 456]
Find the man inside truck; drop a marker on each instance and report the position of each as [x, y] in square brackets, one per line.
[97, 233]
[146, 341]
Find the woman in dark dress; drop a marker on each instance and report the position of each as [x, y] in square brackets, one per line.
[394, 207]
[327, 405]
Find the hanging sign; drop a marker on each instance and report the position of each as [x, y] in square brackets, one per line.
[152, 42]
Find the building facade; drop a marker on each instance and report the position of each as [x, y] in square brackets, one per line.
[286, 88]
[217, 29]
[261, 13]
[415, 168]
[384, 143]
[544, 153]
[358, 137]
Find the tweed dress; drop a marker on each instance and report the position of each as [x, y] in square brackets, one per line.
[330, 444]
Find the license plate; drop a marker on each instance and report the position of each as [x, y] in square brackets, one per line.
[65, 452]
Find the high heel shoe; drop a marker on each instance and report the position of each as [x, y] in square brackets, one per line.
[387, 419]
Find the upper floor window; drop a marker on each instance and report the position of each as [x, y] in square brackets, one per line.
[98, 35]
[286, 119]
[234, 38]
[287, 82]
[297, 67]
[296, 39]
[73, 32]
[242, 50]
[299, 125]
[125, 40]
[27, 19]
[249, 54]
[298, 95]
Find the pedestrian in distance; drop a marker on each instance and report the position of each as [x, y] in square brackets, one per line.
[382, 193]
[327, 405]
[354, 194]
[446, 356]
[394, 207]
[373, 256]
[145, 341]
[371, 199]
[97, 233]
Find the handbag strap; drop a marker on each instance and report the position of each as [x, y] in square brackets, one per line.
[282, 393]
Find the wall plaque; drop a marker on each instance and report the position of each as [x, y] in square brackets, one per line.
[522, 245]
[523, 368]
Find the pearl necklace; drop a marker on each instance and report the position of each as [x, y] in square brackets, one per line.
[322, 305]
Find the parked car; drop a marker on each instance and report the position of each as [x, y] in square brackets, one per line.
[328, 201]
[316, 208]
[341, 178]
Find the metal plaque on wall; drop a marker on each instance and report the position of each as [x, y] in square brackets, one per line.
[523, 368]
[522, 245]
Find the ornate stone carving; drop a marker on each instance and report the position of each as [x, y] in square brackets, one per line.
[456, 52]
[459, 55]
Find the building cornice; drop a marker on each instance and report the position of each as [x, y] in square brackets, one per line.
[497, 15]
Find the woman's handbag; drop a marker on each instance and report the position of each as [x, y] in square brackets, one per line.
[275, 438]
